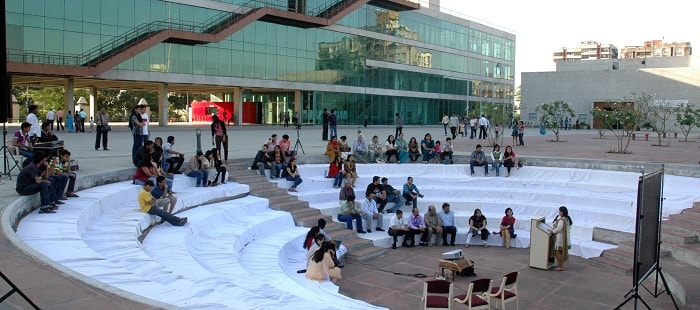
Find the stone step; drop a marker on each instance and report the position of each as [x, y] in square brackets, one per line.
[260, 184]
[689, 229]
[342, 234]
[334, 226]
[245, 172]
[303, 212]
[622, 256]
[611, 265]
[685, 218]
[692, 212]
[696, 205]
[283, 197]
[367, 253]
[311, 220]
[291, 205]
[268, 192]
[628, 246]
[357, 244]
[611, 236]
[672, 236]
[245, 178]
[687, 253]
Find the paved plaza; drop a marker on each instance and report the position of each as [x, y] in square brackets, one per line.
[382, 281]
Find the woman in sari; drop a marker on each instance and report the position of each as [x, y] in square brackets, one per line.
[562, 233]
[70, 124]
[333, 149]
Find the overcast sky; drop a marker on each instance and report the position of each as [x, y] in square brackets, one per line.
[544, 25]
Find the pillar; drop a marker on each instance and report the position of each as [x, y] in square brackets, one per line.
[93, 100]
[297, 105]
[163, 105]
[237, 106]
[69, 98]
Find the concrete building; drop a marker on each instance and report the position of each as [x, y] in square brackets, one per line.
[587, 50]
[360, 57]
[585, 83]
[657, 48]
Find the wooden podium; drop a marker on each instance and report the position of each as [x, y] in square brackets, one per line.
[539, 243]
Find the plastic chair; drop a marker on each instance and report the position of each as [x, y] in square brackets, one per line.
[437, 294]
[477, 295]
[507, 291]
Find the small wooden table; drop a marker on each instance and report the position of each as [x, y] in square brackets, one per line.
[456, 265]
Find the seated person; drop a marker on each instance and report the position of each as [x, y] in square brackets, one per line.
[343, 144]
[413, 150]
[30, 182]
[293, 174]
[448, 224]
[63, 166]
[145, 171]
[310, 236]
[58, 180]
[478, 158]
[350, 171]
[398, 227]
[196, 168]
[23, 144]
[496, 159]
[509, 159]
[158, 154]
[391, 149]
[335, 171]
[321, 266]
[279, 162]
[271, 142]
[218, 165]
[359, 149]
[46, 134]
[174, 158]
[507, 230]
[477, 226]
[447, 151]
[286, 146]
[207, 163]
[428, 148]
[433, 224]
[375, 150]
[370, 213]
[262, 161]
[392, 195]
[160, 191]
[411, 192]
[144, 153]
[416, 225]
[153, 206]
[438, 151]
[348, 212]
[332, 149]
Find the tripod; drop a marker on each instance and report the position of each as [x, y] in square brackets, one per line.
[7, 166]
[298, 144]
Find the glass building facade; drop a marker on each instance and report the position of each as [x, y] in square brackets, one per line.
[373, 61]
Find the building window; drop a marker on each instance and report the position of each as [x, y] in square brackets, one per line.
[616, 65]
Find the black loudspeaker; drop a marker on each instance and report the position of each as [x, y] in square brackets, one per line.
[5, 96]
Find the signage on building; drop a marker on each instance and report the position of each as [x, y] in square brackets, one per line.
[671, 103]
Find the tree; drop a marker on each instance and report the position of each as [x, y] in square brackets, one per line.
[687, 118]
[621, 119]
[552, 115]
[655, 113]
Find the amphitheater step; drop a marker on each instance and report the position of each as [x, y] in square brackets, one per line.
[686, 253]
[686, 217]
[689, 229]
[356, 244]
[303, 212]
[246, 178]
[696, 205]
[626, 246]
[334, 226]
[282, 197]
[367, 253]
[290, 205]
[612, 265]
[268, 192]
[619, 255]
[672, 236]
[611, 236]
[311, 220]
[342, 234]
[694, 212]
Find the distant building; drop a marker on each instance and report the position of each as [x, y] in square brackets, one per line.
[587, 50]
[657, 48]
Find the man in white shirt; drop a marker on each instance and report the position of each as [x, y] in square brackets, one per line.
[454, 124]
[51, 117]
[33, 119]
[144, 129]
[398, 227]
[483, 125]
[370, 213]
[172, 158]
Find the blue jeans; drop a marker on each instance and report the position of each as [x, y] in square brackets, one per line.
[497, 166]
[428, 155]
[42, 188]
[296, 179]
[474, 163]
[138, 142]
[278, 168]
[173, 220]
[59, 183]
[334, 131]
[398, 201]
[347, 218]
[338, 179]
[200, 175]
[28, 156]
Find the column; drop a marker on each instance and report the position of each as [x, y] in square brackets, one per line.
[69, 98]
[297, 105]
[93, 100]
[237, 106]
[163, 105]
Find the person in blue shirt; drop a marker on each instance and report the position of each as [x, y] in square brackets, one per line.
[448, 224]
[160, 191]
[411, 192]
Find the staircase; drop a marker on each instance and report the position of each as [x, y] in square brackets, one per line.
[358, 248]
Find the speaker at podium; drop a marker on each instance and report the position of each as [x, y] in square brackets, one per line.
[541, 243]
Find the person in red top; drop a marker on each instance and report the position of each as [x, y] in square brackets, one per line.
[509, 159]
[507, 231]
[286, 146]
[335, 171]
[333, 149]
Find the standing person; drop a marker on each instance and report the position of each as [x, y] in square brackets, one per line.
[144, 119]
[365, 122]
[59, 124]
[226, 118]
[76, 120]
[472, 127]
[70, 123]
[577, 124]
[515, 133]
[567, 123]
[445, 121]
[333, 123]
[219, 136]
[448, 224]
[454, 124]
[399, 124]
[33, 119]
[136, 125]
[324, 121]
[477, 226]
[562, 233]
[51, 117]
[83, 116]
[483, 126]
[150, 205]
[521, 133]
[296, 120]
[286, 119]
[102, 129]
[507, 230]
[411, 192]
[29, 182]
[218, 165]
